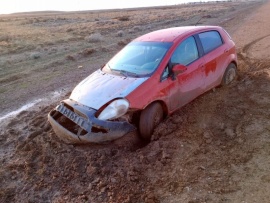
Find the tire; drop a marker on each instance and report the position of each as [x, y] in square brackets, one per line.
[150, 117]
[229, 75]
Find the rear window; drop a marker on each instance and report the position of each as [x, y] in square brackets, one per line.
[210, 40]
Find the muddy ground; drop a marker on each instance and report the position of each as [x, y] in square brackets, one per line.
[215, 149]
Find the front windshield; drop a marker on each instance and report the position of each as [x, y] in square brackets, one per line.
[137, 59]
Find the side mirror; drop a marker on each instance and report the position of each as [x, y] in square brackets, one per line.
[179, 68]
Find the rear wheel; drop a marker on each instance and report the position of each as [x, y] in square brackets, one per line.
[150, 117]
[229, 75]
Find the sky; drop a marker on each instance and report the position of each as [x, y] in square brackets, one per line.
[14, 6]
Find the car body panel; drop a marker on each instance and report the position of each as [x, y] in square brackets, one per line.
[190, 83]
[90, 92]
[217, 61]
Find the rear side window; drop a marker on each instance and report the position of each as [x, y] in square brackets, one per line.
[210, 40]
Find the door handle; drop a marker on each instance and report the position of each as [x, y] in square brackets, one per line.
[201, 66]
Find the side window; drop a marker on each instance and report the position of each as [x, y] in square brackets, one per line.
[186, 52]
[210, 40]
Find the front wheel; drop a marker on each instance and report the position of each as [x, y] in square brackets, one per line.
[150, 117]
[229, 75]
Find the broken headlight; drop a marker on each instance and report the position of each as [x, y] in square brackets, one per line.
[114, 110]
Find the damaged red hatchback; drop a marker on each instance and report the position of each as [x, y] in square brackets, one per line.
[147, 80]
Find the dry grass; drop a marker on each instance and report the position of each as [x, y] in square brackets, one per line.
[22, 33]
[96, 37]
[123, 18]
[35, 55]
[120, 33]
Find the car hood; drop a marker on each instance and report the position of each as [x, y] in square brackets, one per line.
[100, 88]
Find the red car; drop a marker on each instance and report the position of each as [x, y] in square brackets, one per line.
[149, 79]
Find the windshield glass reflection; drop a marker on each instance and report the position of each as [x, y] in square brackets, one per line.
[137, 59]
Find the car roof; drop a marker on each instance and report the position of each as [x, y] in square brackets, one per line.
[170, 34]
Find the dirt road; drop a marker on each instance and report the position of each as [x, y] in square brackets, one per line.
[215, 149]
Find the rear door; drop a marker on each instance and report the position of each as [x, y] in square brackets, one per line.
[215, 53]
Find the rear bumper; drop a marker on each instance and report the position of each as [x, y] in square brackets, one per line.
[75, 123]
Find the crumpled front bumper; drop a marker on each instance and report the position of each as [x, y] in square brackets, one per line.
[75, 123]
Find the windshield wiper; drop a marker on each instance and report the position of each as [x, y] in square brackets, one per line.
[109, 67]
[125, 73]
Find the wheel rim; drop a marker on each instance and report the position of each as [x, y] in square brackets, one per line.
[231, 75]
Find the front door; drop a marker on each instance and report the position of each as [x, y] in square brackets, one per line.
[189, 84]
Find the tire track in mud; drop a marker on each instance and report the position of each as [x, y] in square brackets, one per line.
[252, 63]
[248, 46]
